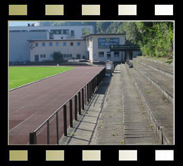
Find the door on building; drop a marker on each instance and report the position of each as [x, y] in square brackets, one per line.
[108, 55]
[36, 58]
[78, 56]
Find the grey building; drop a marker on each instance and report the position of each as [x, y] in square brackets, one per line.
[19, 37]
[19, 47]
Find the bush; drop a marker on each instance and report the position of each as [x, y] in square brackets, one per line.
[58, 57]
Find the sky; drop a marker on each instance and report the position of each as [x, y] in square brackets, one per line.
[20, 23]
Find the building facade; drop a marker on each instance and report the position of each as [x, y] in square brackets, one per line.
[42, 50]
[37, 44]
[19, 36]
[94, 47]
[98, 46]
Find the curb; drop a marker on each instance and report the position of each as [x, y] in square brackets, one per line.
[162, 90]
[159, 130]
[156, 69]
[36, 81]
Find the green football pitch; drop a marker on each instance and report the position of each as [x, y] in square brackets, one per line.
[19, 76]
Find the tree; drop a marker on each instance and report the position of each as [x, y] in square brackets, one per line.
[58, 57]
[153, 38]
[102, 26]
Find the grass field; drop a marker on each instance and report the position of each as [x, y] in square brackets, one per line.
[23, 75]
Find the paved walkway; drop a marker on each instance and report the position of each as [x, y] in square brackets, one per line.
[102, 124]
[83, 131]
[110, 130]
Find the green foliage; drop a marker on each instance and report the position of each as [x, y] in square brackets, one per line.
[58, 57]
[102, 26]
[154, 38]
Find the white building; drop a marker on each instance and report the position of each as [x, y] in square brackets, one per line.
[38, 43]
[95, 47]
[42, 50]
[98, 46]
[19, 35]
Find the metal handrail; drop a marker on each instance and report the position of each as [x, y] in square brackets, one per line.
[56, 112]
[60, 107]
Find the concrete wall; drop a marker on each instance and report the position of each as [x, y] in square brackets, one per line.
[48, 50]
[19, 46]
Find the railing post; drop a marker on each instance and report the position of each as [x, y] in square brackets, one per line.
[161, 128]
[93, 85]
[75, 107]
[65, 120]
[32, 138]
[70, 105]
[80, 103]
[48, 133]
[87, 87]
[57, 128]
[83, 99]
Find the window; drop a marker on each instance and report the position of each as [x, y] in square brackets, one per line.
[108, 55]
[78, 43]
[57, 44]
[78, 56]
[43, 56]
[36, 44]
[64, 44]
[101, 54]
[65, 31]
[57, 32]
[50, 44]
[43, 44]
[71, 43]
[72, 32]
[65, 55]
[51, 55]
[70, 55]
[116, 54]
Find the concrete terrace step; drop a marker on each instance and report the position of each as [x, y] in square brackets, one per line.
[156, 62]
[137, 127]
[159, 110]
[162, 83]
[164, 70]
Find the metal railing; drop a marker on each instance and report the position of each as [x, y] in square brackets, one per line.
[75, 103]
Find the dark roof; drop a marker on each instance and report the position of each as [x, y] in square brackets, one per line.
[97, 34]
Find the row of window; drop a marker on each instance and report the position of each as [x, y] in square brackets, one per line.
[57, 44]
[116, 54]
[64, 55]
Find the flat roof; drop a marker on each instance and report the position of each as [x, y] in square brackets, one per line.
[47, 27]
[101, 34]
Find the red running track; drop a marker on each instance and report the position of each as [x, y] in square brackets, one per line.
[31, 105]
